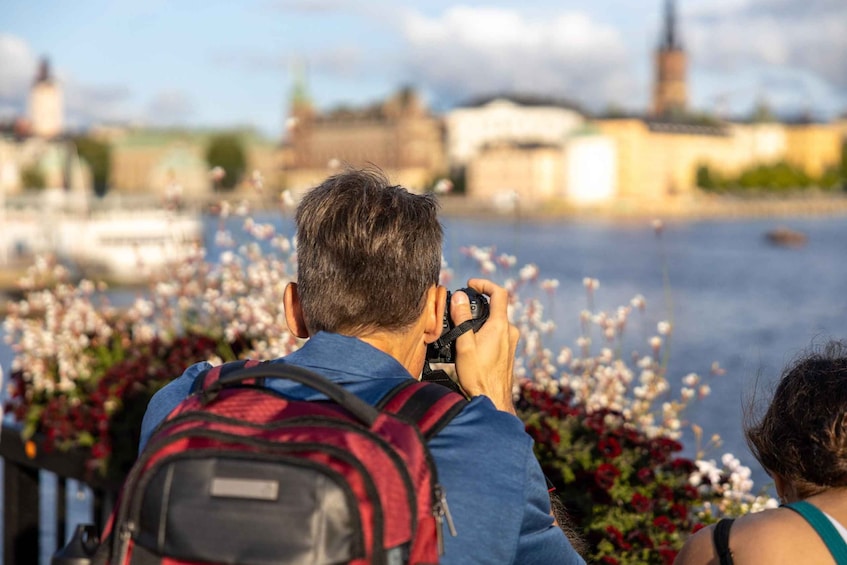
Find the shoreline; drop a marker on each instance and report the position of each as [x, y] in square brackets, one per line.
[695, 208]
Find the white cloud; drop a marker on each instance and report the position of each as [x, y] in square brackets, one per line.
[793, 37]
[18, 66]
[468, 51]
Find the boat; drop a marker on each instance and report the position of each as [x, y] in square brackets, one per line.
[786, 237]
[117, 240]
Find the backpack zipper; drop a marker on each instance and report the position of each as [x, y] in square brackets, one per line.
[442, 513]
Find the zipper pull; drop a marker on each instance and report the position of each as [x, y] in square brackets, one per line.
[124, 536]
[442, 512]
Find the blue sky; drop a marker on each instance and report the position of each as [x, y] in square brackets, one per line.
[222, 63]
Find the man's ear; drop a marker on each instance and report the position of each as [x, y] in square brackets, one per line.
[293, 311]
[436, 303]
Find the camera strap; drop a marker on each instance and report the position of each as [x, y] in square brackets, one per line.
[443, 342]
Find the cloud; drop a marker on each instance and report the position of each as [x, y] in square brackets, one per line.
[170, 107]
[796, 35]
[342, 60]
[18, 66]
[84, 103]
[90, 104]
[469, 51]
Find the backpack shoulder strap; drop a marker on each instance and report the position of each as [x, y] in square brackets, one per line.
[209, 376]
[822, 525]
[720, 537]
[430, 406]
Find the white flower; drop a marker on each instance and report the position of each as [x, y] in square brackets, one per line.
[529, 272]
[690, 380]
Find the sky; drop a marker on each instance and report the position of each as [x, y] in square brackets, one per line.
[233, 63]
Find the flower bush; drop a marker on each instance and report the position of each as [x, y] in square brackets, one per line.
[84, 368]
[605, 425]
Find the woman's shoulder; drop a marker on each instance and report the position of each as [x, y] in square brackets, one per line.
[774, 536]
[778, 535]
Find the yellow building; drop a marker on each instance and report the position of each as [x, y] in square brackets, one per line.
[658, 161]
[813, 148]
[530, 172]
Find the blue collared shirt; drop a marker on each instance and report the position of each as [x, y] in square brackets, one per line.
[495, 488]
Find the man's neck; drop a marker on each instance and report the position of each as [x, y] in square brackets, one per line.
[405, 347]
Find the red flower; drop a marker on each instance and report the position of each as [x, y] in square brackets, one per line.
[605, 475]
[617, 538]
[609, 560]
[679, 511]
[664, 523]
[640, 538]
[697, 527]
[645, 475]
[609, 447]
[668, 555]
[641, 503]
[684, 465]
[664, 492]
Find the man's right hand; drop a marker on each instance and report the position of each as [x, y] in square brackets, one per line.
[485, 359]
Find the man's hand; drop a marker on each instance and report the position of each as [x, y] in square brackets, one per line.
[485, 359]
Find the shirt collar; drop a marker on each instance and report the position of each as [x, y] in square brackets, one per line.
[350, 356]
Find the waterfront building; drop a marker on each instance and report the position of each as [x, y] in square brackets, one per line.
[399, 135]
[521, 120]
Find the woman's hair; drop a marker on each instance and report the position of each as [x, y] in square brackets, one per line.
[802, 435]
[367, 252]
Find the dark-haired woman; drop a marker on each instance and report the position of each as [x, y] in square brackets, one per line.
[801, 440]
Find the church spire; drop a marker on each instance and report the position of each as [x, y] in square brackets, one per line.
[670, 91]
[670, 37]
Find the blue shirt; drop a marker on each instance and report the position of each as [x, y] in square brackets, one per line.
[495, 489]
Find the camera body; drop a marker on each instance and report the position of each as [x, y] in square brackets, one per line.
[443, 350]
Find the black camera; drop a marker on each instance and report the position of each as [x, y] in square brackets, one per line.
[443, 350]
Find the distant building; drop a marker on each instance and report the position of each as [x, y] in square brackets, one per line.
[46, 112]
[531, 173]
[507, 119]
[670, 90]
[515, 145]
[167, 163]
[398, 135]
[657, 161]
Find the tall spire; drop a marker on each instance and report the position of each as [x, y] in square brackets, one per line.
[670, 38]
[670, 91]
[43, 75]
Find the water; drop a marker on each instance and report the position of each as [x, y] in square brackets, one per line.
[732, 297]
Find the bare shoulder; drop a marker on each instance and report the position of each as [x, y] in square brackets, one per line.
[775, 536]
[698, 549]
[772, 536]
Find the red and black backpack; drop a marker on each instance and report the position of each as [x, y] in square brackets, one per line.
[240, 474]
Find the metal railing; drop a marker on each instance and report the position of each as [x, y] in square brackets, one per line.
[22, 465]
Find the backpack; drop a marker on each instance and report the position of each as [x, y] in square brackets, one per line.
[240, 474]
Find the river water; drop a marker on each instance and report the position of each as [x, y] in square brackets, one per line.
[733, 298]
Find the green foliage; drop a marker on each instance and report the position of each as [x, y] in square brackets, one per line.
[98, 155]
[780, 177]
[32, 177]
[227, 152]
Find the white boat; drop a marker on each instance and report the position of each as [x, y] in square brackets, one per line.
[124, 242]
